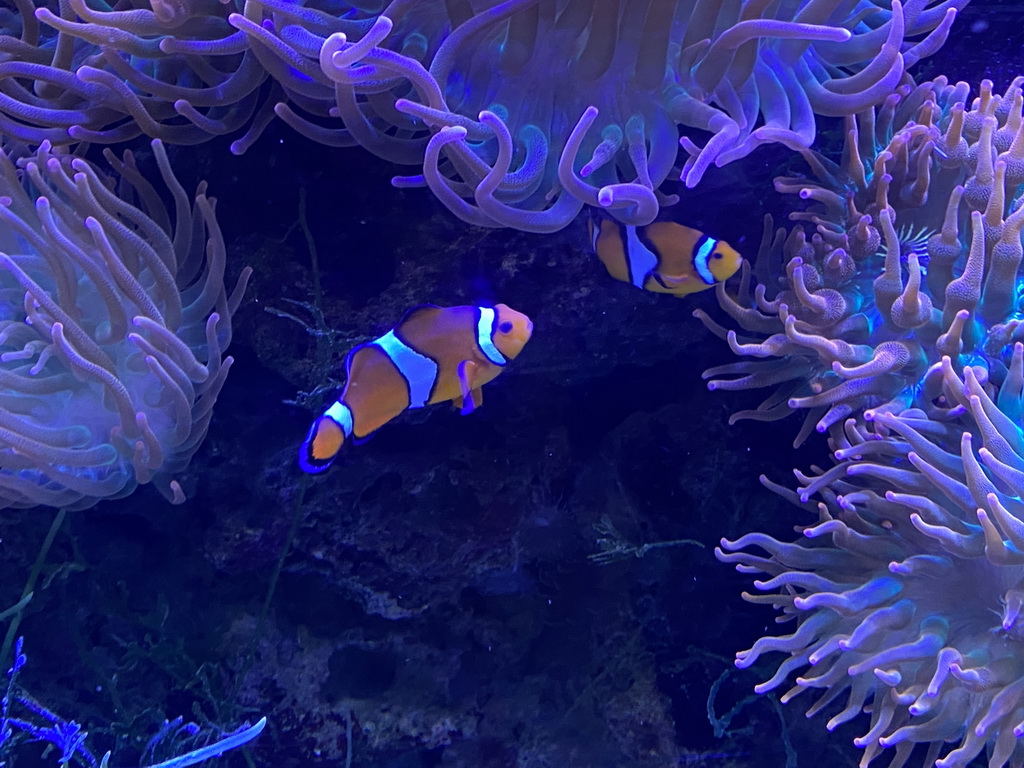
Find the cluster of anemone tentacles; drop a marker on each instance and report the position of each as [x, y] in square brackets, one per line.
[113, 322]
[913, 257]
[519, 112]
[907, 590]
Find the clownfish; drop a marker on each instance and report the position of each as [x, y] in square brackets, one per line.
[663, 257]
[434, 354]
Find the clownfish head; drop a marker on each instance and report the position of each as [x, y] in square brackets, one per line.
[511, 330]
[720, 263]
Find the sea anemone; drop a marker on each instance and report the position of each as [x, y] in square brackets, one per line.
[852, 319]
[908, 590]
[113, 323]
[896, 328]
[519, 112]
[172, 70]
[532, 108]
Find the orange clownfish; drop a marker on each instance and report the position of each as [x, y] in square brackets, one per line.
[663, 257]
[434, 354]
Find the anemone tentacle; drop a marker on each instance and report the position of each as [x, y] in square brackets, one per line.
[113, 327]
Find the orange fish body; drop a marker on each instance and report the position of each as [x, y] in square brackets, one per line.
[663, 257]
[434, 354]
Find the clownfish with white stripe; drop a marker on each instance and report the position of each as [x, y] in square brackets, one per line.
[663, 257]
[434, 354]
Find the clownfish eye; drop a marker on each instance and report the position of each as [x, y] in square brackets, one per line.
[717, 255]
[505, 327]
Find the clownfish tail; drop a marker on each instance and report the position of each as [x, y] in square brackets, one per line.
[325, 438]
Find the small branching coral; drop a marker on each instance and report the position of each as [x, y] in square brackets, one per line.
[113, 323]
[24, 720]
[913, 256]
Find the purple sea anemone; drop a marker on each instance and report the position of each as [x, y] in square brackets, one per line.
[907, 592]
[169, 69]
[896, 329]
[529, 109]
[519, 112]
[912, 255]
[113, 322]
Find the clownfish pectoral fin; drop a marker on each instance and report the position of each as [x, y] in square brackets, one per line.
[672, 282]
[321, 446]
[681, 286]
[412, 311]
[470, 404]
[471, 396]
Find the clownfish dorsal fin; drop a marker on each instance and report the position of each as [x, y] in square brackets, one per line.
[418, 309]
[350, 358]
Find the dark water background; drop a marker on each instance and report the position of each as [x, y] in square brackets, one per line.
[437, 603]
